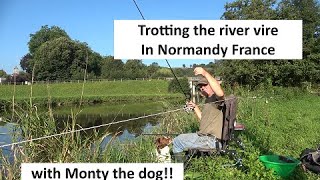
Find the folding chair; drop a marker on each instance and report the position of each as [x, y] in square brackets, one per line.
[230, 126]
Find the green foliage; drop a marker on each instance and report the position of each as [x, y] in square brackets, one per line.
[64, 59]
[53, 59]
[163, 72]
[275, 124]
[107, 91]
[94, 64]
[54, 56]
[134, 69]
[112, 68]
[104, 88]
[45, 34]
[275, 72]
[152, 69]
[69, 147]
[181, 86]
[250, 9]
[25, 63]
[2, 73]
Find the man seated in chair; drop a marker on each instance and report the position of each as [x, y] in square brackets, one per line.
[210, 118]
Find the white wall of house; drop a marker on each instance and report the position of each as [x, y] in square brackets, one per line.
[2, 80]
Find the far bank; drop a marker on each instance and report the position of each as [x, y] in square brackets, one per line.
[113, 92]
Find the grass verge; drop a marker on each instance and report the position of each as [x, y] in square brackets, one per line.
[283, 122]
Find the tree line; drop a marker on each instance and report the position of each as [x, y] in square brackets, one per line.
[276, 72]
[53, 55]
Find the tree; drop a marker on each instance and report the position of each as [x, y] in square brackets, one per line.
[163, 72]
[250, 9]
[282, 72]
[174, 86]
[36, 40]
[94, 64]
[25, 62]
[21, 77]
[152, 69]
[45, 34]
[61, 59]
[57, 57]
[80, 54]
[53, 60]
[134, 68]
[112, 68]
[3, 73]
[309, 12]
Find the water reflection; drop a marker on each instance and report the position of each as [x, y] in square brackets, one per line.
[98, 115]
[122, 131]
[125, 130]
[95, 115]
[5, 137]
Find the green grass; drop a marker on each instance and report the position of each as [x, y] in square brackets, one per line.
[114, 92]
[277, 125]
[105, 88]
[281, 121]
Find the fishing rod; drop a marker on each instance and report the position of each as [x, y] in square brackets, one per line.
[160, 134]
[187, 95]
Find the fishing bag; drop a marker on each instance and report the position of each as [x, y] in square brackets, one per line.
[310, 159]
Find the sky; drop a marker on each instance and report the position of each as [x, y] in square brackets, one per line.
[91, 22]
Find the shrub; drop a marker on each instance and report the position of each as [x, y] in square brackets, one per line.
[174, 86]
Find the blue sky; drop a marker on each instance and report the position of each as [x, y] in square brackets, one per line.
[91, 22]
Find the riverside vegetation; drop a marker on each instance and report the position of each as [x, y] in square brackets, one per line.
[278, 120]
[111, 92]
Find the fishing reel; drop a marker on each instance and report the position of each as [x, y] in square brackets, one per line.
[187, 108]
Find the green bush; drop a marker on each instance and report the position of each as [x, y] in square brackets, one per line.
[174, 86]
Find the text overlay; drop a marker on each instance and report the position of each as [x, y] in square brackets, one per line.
[102, 171]
[208, 39]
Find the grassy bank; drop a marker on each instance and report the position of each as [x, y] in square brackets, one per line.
[282, 121]
[283, 124]
[114, 92]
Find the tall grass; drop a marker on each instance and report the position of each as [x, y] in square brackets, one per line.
[71, 147]
[282, 121]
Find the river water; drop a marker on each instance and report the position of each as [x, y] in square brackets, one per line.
[94, 115]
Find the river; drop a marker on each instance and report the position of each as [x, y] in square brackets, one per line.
[94, 115]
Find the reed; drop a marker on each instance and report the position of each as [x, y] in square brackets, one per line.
[283, 122]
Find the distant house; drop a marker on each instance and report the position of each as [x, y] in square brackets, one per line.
[2, 80]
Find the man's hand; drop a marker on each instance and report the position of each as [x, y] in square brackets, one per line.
[200, 70]
[195, 108]
[191, 104]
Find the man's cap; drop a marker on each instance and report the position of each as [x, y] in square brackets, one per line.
[203, 81]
